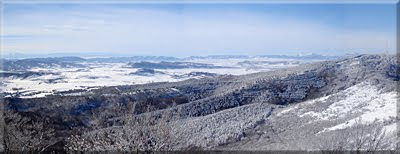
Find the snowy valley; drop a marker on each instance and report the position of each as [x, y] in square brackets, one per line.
[38, 77]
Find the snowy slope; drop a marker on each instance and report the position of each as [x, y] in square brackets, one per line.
[364, 102]
[313, 123]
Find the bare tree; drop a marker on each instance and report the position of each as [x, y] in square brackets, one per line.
[143, 133]
[358, 138]
[2, 124]
[24, 134]
[368, 137]
[154, 135]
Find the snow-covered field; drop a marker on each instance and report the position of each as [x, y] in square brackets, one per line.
[113, 74]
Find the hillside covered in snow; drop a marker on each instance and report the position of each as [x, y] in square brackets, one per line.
[345, 104]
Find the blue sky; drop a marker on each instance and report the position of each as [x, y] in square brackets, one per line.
[198, 29]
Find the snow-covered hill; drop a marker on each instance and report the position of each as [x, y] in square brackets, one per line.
[328, 122]
[347, 104]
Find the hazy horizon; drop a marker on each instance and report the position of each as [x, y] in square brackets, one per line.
[198, 29]
[17, 55]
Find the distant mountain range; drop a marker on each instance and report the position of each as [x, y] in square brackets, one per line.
[25, 64]
[119, 58]
[172, 65]
[10, 63]
[95, 55]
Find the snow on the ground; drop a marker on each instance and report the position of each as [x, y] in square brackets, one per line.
[230, 71]
[364, 101]
[77, 78]
[362, 97]
[380, 108]
[109, 74]
[300, 105]
[392, 128]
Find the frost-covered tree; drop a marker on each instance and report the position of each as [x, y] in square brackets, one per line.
[359, 137]
[26, 134]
